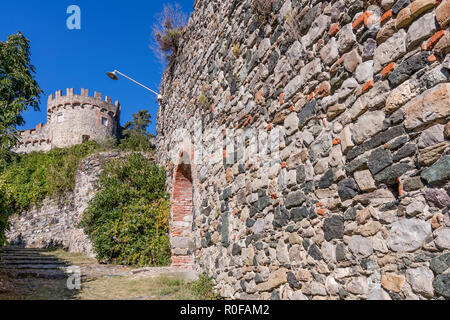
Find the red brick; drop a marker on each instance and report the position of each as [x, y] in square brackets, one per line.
[366, 87]
[386, 16]
[333, 29]
[435, 38]
[387, 70]
[358, 22]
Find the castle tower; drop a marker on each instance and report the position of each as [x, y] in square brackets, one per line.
[73, 119]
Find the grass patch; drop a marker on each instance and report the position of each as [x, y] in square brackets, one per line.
[164, 287]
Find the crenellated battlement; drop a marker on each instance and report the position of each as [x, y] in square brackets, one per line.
[72, 119]
[57, 100]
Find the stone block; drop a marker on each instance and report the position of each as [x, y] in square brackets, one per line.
[404, 18]
[390, 50]
[365, 180]
[420, 30]
[421, 6]
[428, 108]
[443, 14]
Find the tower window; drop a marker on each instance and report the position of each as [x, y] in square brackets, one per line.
[60, 118]
[104, 121]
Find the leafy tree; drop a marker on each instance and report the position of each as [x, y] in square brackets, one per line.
[136, 137]
[18, 91]
[18, 88]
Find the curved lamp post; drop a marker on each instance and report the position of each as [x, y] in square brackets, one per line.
[113, 76]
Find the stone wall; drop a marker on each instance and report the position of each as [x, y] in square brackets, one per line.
[317, 135]
[72, 119]
[55, 223]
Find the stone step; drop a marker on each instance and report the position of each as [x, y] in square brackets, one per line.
[35, 273]
[32, 266]
[31, 262]
[12, 249]
[23, 257]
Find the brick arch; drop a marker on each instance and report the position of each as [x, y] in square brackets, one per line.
[182, 217]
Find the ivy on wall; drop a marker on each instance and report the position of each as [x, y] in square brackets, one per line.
[31, 178]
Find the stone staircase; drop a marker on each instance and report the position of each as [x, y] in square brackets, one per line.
[19, 263]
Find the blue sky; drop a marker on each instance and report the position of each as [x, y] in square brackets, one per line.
[113, 35]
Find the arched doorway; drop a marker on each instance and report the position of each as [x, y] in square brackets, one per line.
[182, 218]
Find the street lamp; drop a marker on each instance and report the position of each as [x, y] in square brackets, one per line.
[113, 76]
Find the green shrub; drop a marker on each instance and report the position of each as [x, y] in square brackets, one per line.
[31, 178]
[128, 219]
[203, 289]
[168, 31]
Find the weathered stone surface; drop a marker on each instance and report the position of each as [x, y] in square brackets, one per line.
[295, 199]
[421, 6]
[360, 247]
[404, 18]
[420, 29]
[421, 281]
[437, 198]
[408, 235]
[368, 125]
[399, 5]
[391, 174]
[347, 189]
[364, 72]
[330, 52]
[316, 30]
[443, 14]
[335, 110]
[438, 173]
[378, 294]
[408, 68]
[333, 228]
[386, 31]
[370, 229]
[402, 94]
[390, 50]
[412, 184]
[332, 152]
[431, 136]
[442, 48]
[440, 264]
[430, 155]
[276, 278]
[291, 123]
[443, 239]
[441, 285]
[352, 60]
[365, 181]
[379, 160]
[358, 286]
[428, 107]
[346, 37]
[392, 282]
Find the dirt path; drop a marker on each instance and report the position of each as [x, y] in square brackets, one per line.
[57, 275]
